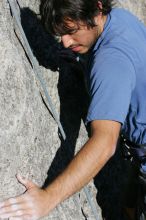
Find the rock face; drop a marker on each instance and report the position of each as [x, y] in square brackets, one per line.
[30, 142]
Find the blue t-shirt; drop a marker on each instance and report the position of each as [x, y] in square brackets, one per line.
[117, 75]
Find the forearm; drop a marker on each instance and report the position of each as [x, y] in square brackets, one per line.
[85, 165]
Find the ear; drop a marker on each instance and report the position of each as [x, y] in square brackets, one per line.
[99, 5]
[98, 17]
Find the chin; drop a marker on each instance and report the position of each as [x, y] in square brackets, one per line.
[85, 50]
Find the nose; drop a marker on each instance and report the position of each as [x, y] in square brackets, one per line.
[67, 40]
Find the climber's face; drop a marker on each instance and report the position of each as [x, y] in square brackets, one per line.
[81, 37]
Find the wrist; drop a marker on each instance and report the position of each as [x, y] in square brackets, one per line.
[53, 195]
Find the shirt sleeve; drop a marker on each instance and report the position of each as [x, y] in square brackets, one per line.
[112, 80]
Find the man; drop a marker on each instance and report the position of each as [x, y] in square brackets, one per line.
[116, 41]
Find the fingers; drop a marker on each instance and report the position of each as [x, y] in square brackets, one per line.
[16, 211]
[18, 218]
[11, 210]
[9, 214]
[11, 202]
[25, 217]
[14, 207]
[25, 182]
[28, 206]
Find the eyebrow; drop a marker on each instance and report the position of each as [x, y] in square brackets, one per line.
[65, 31]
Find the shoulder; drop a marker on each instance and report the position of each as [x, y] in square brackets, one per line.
[112, 81]
[121, 12]
[112, 64]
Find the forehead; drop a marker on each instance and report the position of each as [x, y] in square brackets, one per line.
[68, 26]
[73, 24]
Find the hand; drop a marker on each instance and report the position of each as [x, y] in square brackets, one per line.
[31, 205]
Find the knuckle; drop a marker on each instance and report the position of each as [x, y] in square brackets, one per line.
[14, 207]
[3, 210]
[34, 217]
[12, 200]
[19, 212]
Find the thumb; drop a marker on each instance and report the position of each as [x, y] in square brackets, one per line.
[25, 182]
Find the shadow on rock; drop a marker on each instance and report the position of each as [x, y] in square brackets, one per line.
[45, 48]
[73, 107]
[71, 89]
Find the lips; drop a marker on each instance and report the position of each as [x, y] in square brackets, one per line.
[76, 48]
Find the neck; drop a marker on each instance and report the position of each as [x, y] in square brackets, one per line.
[101, 24]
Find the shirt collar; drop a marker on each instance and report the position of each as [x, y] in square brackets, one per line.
[105, 29]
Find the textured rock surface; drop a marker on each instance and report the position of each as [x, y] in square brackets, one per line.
[29, 138]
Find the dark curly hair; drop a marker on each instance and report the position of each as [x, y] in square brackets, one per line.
[55, 14]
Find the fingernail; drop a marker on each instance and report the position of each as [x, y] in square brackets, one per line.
[21, 178]
[19, 175]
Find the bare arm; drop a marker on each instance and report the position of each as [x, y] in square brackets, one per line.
[85, 165]
[89, 161]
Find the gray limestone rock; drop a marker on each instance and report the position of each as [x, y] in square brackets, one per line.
[30, 142]
[29, 137]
